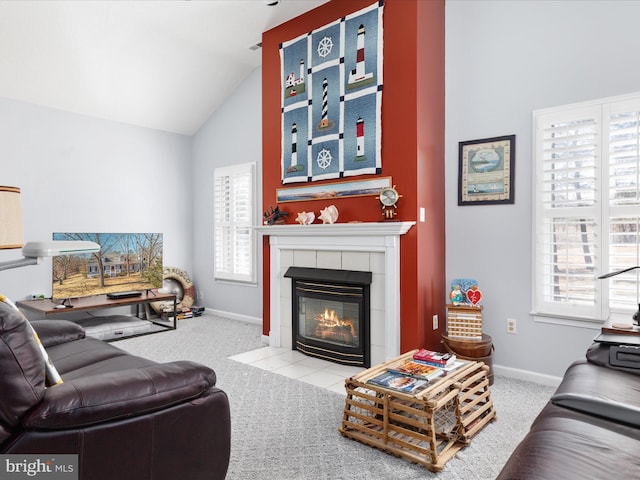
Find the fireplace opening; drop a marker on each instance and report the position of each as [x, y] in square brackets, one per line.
[330, 314]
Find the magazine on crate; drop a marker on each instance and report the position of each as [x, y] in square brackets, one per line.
[418, 370]
[399, 382]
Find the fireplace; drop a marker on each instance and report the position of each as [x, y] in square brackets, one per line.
[361, 246]
[330, 314]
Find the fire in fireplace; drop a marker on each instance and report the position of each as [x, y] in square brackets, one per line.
[330, 312]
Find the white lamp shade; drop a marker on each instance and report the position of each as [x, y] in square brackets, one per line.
[11, 235]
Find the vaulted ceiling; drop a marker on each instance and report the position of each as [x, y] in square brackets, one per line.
[166, 65]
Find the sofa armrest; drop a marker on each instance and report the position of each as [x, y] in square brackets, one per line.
[115, 395]
[599, 391]
[55, 332]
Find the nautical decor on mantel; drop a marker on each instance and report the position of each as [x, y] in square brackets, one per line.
[274, 216]
[329, 214]
[305, 218]
[331, 99]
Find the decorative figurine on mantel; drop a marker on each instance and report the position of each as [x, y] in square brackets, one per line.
[305, 218]
[329, 214]
[389, 197]
[274, 216]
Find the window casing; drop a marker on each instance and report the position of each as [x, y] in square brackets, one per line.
[234, 233]
[587, 208]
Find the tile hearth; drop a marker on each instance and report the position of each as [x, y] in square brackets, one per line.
[293, 364]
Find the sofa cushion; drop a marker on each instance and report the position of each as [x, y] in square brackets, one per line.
[90, 356]
[119, 394]
[600, 391]
[54, 332]
[22, 369]
[569, 445]
[52, 377]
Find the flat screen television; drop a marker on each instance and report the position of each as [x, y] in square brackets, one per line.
[126, 262]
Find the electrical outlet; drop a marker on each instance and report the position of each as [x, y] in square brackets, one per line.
[435, 321]
[512, 326]
[200, 295]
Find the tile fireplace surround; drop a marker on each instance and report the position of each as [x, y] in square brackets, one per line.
[369, 246]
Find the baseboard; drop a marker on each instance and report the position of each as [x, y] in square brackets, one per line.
[234, 316]
[527, 375]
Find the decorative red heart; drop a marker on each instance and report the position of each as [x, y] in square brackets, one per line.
[474, 296]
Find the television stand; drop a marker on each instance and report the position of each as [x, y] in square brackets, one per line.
[47, 308]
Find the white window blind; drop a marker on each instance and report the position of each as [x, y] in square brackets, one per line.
[587, 161]
[234, 237]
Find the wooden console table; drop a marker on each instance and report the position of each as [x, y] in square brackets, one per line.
[427, 428]
[47, 308]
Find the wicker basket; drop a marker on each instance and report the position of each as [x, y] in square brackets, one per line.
[477, 350]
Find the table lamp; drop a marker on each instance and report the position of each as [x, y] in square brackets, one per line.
[636, 315]
[11, 235]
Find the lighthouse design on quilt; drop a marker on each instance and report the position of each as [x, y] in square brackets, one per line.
[360, 139]
[358, 74]
[294, 167]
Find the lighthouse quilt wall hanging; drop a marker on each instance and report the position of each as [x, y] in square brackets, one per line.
[332, 98]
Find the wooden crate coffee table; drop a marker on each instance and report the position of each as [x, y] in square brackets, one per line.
[429, 427]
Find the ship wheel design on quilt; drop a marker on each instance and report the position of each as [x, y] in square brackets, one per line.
[325, 46]
[324, 158]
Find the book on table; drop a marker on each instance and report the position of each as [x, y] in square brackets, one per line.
[453, 366]
[399, 382]
[437, 359]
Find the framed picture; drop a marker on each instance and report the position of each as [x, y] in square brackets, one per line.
[486, 171]
[353, 188]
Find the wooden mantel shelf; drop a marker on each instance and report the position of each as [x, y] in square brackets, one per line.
[337, 229]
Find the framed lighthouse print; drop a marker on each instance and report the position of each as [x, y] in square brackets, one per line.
[332, 99]
[486, 171]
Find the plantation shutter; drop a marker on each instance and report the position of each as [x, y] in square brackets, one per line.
[587, 209]
[567, 220]
[624, 203]
[234, 237]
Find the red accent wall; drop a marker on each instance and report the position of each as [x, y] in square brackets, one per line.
[412, 151]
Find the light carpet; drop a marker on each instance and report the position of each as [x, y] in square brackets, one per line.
[285, 429]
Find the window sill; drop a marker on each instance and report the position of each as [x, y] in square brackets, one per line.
[242, 283]
[568, 321]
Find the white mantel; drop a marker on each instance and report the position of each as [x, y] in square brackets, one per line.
[338, 229]
[381, 239]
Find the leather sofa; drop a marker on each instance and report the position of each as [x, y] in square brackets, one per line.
[590, 429]
[125, 417]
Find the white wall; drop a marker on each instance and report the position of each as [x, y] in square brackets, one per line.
[83, 174]
[231, 136]
[503, 60]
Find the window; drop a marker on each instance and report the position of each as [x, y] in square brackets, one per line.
[234, 205]
[587, 215]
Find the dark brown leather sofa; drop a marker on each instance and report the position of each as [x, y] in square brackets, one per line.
[590, 429]
[125, 416]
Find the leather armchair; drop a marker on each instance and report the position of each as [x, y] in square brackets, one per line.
[125, 416]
